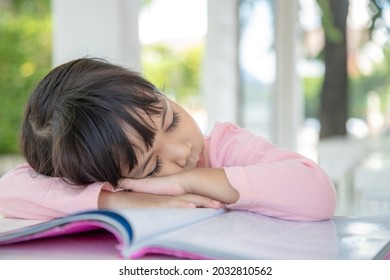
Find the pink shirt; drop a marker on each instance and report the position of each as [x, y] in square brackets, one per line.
[271, 181]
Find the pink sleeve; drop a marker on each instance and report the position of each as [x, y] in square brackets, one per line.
[272, 181]
[28, 195]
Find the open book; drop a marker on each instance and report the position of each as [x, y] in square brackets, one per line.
[219, 234]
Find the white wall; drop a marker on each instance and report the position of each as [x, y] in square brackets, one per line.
[220, 72]
[288, 101]
[96, 28]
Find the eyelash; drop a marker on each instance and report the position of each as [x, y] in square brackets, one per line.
[175, 121]
[156, 169]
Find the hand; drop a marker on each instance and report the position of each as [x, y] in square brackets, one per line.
[164, 185]
[207, 182]
[124, 199]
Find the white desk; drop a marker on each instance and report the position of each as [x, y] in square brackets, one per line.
[372, 183]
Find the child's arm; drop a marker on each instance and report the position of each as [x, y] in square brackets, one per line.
[209, 182]
[125, 199]
[28, 195]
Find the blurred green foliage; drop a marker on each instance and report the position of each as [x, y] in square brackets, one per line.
[174, 71]
[25, 57]
[311, 89]
[377, 81]
[360, 86]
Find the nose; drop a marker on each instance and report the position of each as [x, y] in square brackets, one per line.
[178, 152]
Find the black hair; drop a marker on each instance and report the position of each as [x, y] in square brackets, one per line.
[75, 120]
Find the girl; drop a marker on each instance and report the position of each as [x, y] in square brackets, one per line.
[96, 135]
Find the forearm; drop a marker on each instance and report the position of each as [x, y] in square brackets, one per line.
[210, 182]
[205, 182]
[128, 199]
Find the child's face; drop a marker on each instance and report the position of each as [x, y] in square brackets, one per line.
[178, 144]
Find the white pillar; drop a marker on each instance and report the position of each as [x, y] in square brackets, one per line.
[288, 106]
[220, 75]
[96, 28]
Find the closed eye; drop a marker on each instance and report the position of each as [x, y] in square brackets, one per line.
[156, 169]
[175, 121]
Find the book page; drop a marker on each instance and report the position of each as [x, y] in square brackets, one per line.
[150, 222]
[128, 225]
[8, 224]
[245, 235]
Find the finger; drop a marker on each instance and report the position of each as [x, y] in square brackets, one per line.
[177, 203]
[127, 184]
[156, 185]
[202, 201]
[138, 185]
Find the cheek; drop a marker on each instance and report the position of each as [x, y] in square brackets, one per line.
[170, 168]
[189, 127]
[192, 127]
